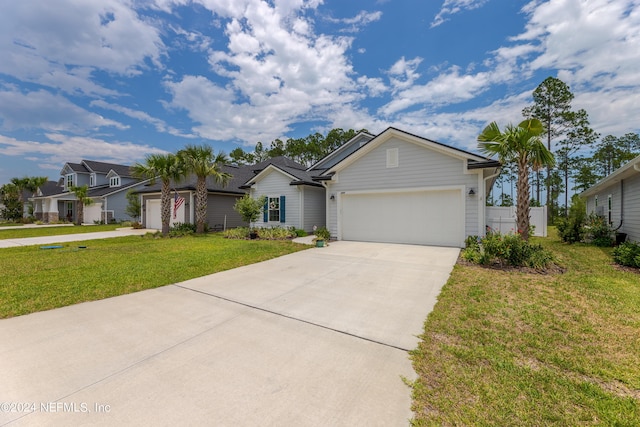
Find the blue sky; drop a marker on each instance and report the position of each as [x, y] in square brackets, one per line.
[116, 80]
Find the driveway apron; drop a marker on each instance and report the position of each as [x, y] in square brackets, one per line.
[318, 337]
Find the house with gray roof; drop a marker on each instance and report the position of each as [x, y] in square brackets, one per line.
[108, 185]
[220, 200]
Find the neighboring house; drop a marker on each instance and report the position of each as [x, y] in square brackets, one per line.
[293, 198]
[617, 199]
[220, 201]
[402, 188]
[108, 186]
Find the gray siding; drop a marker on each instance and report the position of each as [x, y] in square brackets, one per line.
[314, 208]
[631, 216]
[276, 184]
[418, 166]
[631, 224]
[219, 206]
[603, 201]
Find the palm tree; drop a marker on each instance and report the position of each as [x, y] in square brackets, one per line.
[167, 168]
[29, 183]
[520, 144]
[35, 182]
[82, 195]
[202, 161]
[21, 184]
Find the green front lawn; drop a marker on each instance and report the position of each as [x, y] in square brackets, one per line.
[19, 233]
[514, 349]
[34, 279]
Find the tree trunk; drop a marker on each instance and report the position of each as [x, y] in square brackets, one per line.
[165, 214]
[522, 208]
[201, 204]
[80, 213]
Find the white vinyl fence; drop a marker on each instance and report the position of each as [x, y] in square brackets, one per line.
[504, 220]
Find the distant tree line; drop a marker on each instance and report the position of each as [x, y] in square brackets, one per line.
[306, 151]
[582, 156]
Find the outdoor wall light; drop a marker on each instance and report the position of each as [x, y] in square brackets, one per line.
[333, 197]
[472, 192]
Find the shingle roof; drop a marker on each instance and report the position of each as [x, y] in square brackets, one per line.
[240, 175]
[103, 167]
[280, 161]
[51, 187]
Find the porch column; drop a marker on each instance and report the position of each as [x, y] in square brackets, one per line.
[50, 209]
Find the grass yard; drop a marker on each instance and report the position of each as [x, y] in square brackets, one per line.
[513, 349]
[33, 279]
[18, 233]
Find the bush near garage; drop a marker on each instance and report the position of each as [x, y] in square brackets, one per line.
[496, 249]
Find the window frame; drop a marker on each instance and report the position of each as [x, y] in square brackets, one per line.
[114, 181]
[69, 181]
[273, 212]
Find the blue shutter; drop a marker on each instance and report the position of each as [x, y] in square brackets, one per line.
[282, 219]
[265, 211]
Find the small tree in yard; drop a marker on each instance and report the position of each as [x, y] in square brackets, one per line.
[134, 207]
[249, 208]
[10, 199]
[83, 200]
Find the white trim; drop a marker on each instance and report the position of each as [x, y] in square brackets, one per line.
[391, 133]
[359, 135]
[266, 171]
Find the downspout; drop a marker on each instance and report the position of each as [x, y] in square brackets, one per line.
[621, 204]
[484, 194]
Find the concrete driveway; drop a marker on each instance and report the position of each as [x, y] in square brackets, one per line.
[319, 337]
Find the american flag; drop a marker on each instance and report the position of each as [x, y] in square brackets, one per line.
[177, 202]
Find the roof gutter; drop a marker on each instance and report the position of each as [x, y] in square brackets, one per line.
[490, 177]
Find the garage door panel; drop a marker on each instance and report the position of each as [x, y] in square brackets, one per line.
[424, 217]
[154, 218]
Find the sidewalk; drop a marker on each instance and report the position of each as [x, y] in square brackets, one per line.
[64, 238]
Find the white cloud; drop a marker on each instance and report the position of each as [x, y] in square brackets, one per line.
[451, 7]
[594, 47]
[160, 125]
[64, 148]
[449, 87]
[591, 43]
[403, 73]
[356, 23]
[43, 110]
[60, 43]
[277, 70]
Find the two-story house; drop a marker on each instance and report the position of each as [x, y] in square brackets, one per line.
[108, 185]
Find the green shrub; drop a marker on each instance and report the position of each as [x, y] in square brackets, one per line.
[275, 233]
[598, 231]
[321, 233]
[510, 249]
[572, 228]
[236, 233]
[180, 229]
[627, 254]
[298, 232]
